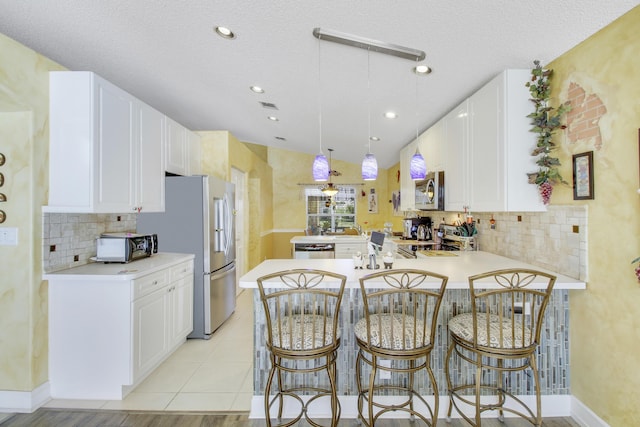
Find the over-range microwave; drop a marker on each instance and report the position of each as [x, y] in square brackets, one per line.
[430, 192]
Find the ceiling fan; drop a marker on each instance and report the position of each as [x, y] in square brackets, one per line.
[329, 189]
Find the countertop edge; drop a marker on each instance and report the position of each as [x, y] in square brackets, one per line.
[119, 271]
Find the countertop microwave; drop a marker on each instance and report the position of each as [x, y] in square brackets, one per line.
[125, 247]
[430, 192]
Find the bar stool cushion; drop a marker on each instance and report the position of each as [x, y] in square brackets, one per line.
[392, 335]
[304, 337]
[462, 327]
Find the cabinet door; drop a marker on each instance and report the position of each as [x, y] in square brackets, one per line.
[486, 149]
[114, 187]
[150, 159]
[431, 142]
[176, 153]
[181, 310]
[194, 156]
[150, 331]
[347, 250]
[456, 155]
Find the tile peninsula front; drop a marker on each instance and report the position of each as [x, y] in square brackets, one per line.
[553, 352]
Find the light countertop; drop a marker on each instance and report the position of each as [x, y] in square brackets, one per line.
[119, 271]
[457, 268]
[347, 238]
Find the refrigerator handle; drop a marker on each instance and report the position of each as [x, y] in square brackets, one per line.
[227, 225]
[220, 274]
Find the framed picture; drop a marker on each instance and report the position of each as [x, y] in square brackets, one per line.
[583, 176]
[373, 201]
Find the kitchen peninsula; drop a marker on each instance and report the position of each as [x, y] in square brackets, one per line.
[553, 349]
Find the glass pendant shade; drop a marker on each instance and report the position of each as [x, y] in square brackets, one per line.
[369, 167]
[320, 168]
[330, 190]
[418, 167]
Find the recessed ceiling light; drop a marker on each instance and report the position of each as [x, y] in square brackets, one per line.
[422, 70]
[225, 32]
[256, 89]
[272, 118]
[390, 115]
[374, 138]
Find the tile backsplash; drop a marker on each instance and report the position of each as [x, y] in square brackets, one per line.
[555, 239]
[70, 236]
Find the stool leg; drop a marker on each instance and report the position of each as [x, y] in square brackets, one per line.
[267, 391]
[436, 397]
[331, 371]
[372, 378]
[478, 388]
[534, 367]
[448, 375]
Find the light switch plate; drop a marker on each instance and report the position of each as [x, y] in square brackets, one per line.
[8, 236]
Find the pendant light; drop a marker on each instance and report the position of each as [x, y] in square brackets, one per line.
[320, 168]
[329, 189]
[369, 164]
[417, 166]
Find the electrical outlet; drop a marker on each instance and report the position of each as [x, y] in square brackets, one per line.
[8, 236]
[384, 374]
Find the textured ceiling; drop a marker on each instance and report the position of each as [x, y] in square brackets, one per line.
[166, 53]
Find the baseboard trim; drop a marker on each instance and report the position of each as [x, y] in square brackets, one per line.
[552, 406]
[24, 401]
[585, 416]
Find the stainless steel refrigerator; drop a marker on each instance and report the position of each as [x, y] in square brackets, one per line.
[199, 219]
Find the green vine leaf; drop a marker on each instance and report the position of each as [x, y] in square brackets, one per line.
[545, 121]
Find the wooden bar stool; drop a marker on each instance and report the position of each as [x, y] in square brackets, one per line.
[395, 337]
[303, 335]
[498, 337]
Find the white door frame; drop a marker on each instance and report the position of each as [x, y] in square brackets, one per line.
[239, 178]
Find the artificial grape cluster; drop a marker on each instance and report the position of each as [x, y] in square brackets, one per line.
[638, 272]
[545, 191]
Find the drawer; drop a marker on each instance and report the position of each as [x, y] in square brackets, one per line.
[150, 283]
[181, 270]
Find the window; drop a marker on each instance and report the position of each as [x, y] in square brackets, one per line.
[330, 213]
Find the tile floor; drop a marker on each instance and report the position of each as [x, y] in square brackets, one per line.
[202, 375]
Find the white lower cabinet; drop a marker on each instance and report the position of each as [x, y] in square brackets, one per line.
[347, 250]
[107, 334]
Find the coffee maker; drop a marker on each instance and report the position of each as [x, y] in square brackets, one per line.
[417, 228]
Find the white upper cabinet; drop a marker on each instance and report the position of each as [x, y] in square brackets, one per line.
[176, 148]
[500, 145]
[151, 125]
[105, 148]
[194, 158]
[431, 146]
[487, 149]
[182, 151]
[456, 155]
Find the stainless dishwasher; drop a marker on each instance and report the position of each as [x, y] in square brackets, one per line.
[314, 250]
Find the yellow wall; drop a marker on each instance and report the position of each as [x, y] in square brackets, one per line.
[222, 151]
[605, 320]
[291, 168]
[24, 140]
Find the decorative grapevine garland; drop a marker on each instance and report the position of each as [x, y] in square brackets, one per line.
[545, 122]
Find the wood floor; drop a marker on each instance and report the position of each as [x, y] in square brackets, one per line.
[44, 417]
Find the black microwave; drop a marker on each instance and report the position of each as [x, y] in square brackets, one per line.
[430, 192]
